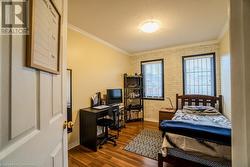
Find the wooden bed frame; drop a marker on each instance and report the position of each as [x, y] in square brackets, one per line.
[199, 100]
[191, 100]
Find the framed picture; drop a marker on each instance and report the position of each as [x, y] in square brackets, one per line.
[43, 42]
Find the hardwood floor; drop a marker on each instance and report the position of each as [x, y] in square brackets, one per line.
[110, 156]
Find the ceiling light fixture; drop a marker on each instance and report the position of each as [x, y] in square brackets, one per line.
[150, 26]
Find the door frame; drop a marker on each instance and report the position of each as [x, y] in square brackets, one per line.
[240, 60]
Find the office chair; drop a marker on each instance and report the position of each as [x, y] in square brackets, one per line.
[107, 123]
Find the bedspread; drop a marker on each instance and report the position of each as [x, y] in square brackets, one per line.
[205, 133]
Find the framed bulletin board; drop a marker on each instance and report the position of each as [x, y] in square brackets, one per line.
[43, 42]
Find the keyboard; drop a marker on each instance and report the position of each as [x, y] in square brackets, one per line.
[101, 107]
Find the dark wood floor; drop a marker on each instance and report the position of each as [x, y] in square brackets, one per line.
[110, 156]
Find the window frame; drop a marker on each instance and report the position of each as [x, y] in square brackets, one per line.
[163, 86]
[214, 67]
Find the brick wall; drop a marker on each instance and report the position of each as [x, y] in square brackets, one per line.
[173, 72]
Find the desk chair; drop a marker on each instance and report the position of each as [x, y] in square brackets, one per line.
[116, 118]
[109, 122]
[106, 123]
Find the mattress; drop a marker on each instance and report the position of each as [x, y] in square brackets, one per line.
[198, 145]
[217, 135]
[192, 145]
[199, 158]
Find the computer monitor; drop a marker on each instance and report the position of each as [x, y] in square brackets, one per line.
[114, 96]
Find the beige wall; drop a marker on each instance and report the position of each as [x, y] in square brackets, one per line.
[95, 67]
[173, 72]
[225, 57]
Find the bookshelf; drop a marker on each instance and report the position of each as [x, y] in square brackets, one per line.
[133, 98]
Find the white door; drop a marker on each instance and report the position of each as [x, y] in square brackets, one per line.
[33, 106]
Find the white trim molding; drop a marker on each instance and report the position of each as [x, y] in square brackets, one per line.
[72, 145]
[178, 47]
[150, 120]
[91, 36]
[226, 25]
[224, 30]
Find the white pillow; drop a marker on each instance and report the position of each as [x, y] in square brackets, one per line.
[207, 109]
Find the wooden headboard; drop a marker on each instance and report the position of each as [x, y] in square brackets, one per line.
[199, 100]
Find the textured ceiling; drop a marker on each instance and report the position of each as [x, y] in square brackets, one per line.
[117, 21]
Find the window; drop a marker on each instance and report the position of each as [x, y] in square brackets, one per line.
[199, 74]
[153, 79]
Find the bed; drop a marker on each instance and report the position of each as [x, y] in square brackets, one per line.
[198, 134]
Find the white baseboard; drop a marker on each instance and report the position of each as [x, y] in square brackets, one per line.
[72, 145]
[151, 120]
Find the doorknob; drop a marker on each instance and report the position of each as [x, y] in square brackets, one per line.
[68, 125]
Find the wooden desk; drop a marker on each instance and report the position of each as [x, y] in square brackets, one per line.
[166, 114]
[88, 126]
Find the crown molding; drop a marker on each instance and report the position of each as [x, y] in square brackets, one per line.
[226, 25]
[224, 30]
[91, 36]
[212, 42]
